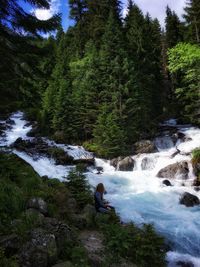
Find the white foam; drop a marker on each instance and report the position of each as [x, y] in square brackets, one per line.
[139, 195]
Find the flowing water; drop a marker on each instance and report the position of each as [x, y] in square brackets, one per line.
[138, 195]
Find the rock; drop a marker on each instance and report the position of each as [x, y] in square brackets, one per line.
[11, 244]
[88, 161]
[144, 146]
[177, 170]
[196, 166]
[196, 182]
[189, 200]
[62, 233]
[127, 164]
[99, 170]
[167, 183]
[40, 251]
[114, 162]
[184, 264]
[34, 132]
[35, 213]
[93, 243]
[147, 163]
[89, 214]
[38, 204]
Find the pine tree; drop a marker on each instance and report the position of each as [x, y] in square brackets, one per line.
[192, 17]
[19, 52]
[173, 28]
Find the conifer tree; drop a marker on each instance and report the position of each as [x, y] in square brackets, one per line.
[192, 17]
[173, 28]
[18, 51]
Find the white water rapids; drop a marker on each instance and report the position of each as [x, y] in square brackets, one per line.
[137, 195]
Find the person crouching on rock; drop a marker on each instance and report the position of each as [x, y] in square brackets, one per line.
[100, 204]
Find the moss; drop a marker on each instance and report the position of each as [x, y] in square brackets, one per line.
[196, 155]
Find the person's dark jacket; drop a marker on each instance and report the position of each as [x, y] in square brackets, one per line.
[99, 202]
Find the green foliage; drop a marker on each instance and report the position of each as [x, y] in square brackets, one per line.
[7, 262]
[173, 28]
[184, 61]
[141, 246]
[18, 181]
[196, 155]
[25, 223]
[79, 188]
[79, 257]
[192, 17]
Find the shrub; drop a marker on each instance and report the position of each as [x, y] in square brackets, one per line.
[141, 246]
[196, 155]
[79, 188]
[7, 262]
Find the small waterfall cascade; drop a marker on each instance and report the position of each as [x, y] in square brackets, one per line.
[138, 195]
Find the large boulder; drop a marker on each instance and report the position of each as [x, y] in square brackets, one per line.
[189, 200]
[64, 236]
[144, 146]
[176, 170]
[38, 204]
[114, 162]
[126, 164]
[40, 251]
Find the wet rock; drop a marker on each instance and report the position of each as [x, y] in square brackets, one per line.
[87, 161]
[176, 170]
[196, 182]
[189, 200]
[127, 164]
[114, 162]
[10, 121]
[38, 204]
[34, 132]
[99, 170]
[196, 166]
[147, 163]
[40, 251]
[144, 146]
[167, 183]
[184, 264]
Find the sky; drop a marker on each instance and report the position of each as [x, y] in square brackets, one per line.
[156, 8]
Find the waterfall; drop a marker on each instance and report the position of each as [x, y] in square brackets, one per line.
[138, 195]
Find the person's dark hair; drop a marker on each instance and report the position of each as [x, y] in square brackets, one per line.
[100, 188]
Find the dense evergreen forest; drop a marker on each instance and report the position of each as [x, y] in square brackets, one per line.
[108, 80]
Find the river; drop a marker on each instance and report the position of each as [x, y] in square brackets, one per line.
[138, 195]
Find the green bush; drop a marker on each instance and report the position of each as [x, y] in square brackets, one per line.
[79, 256]
[11, 201]
[196, 155]
[140, 246]
[5, 262]
[79, 188]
